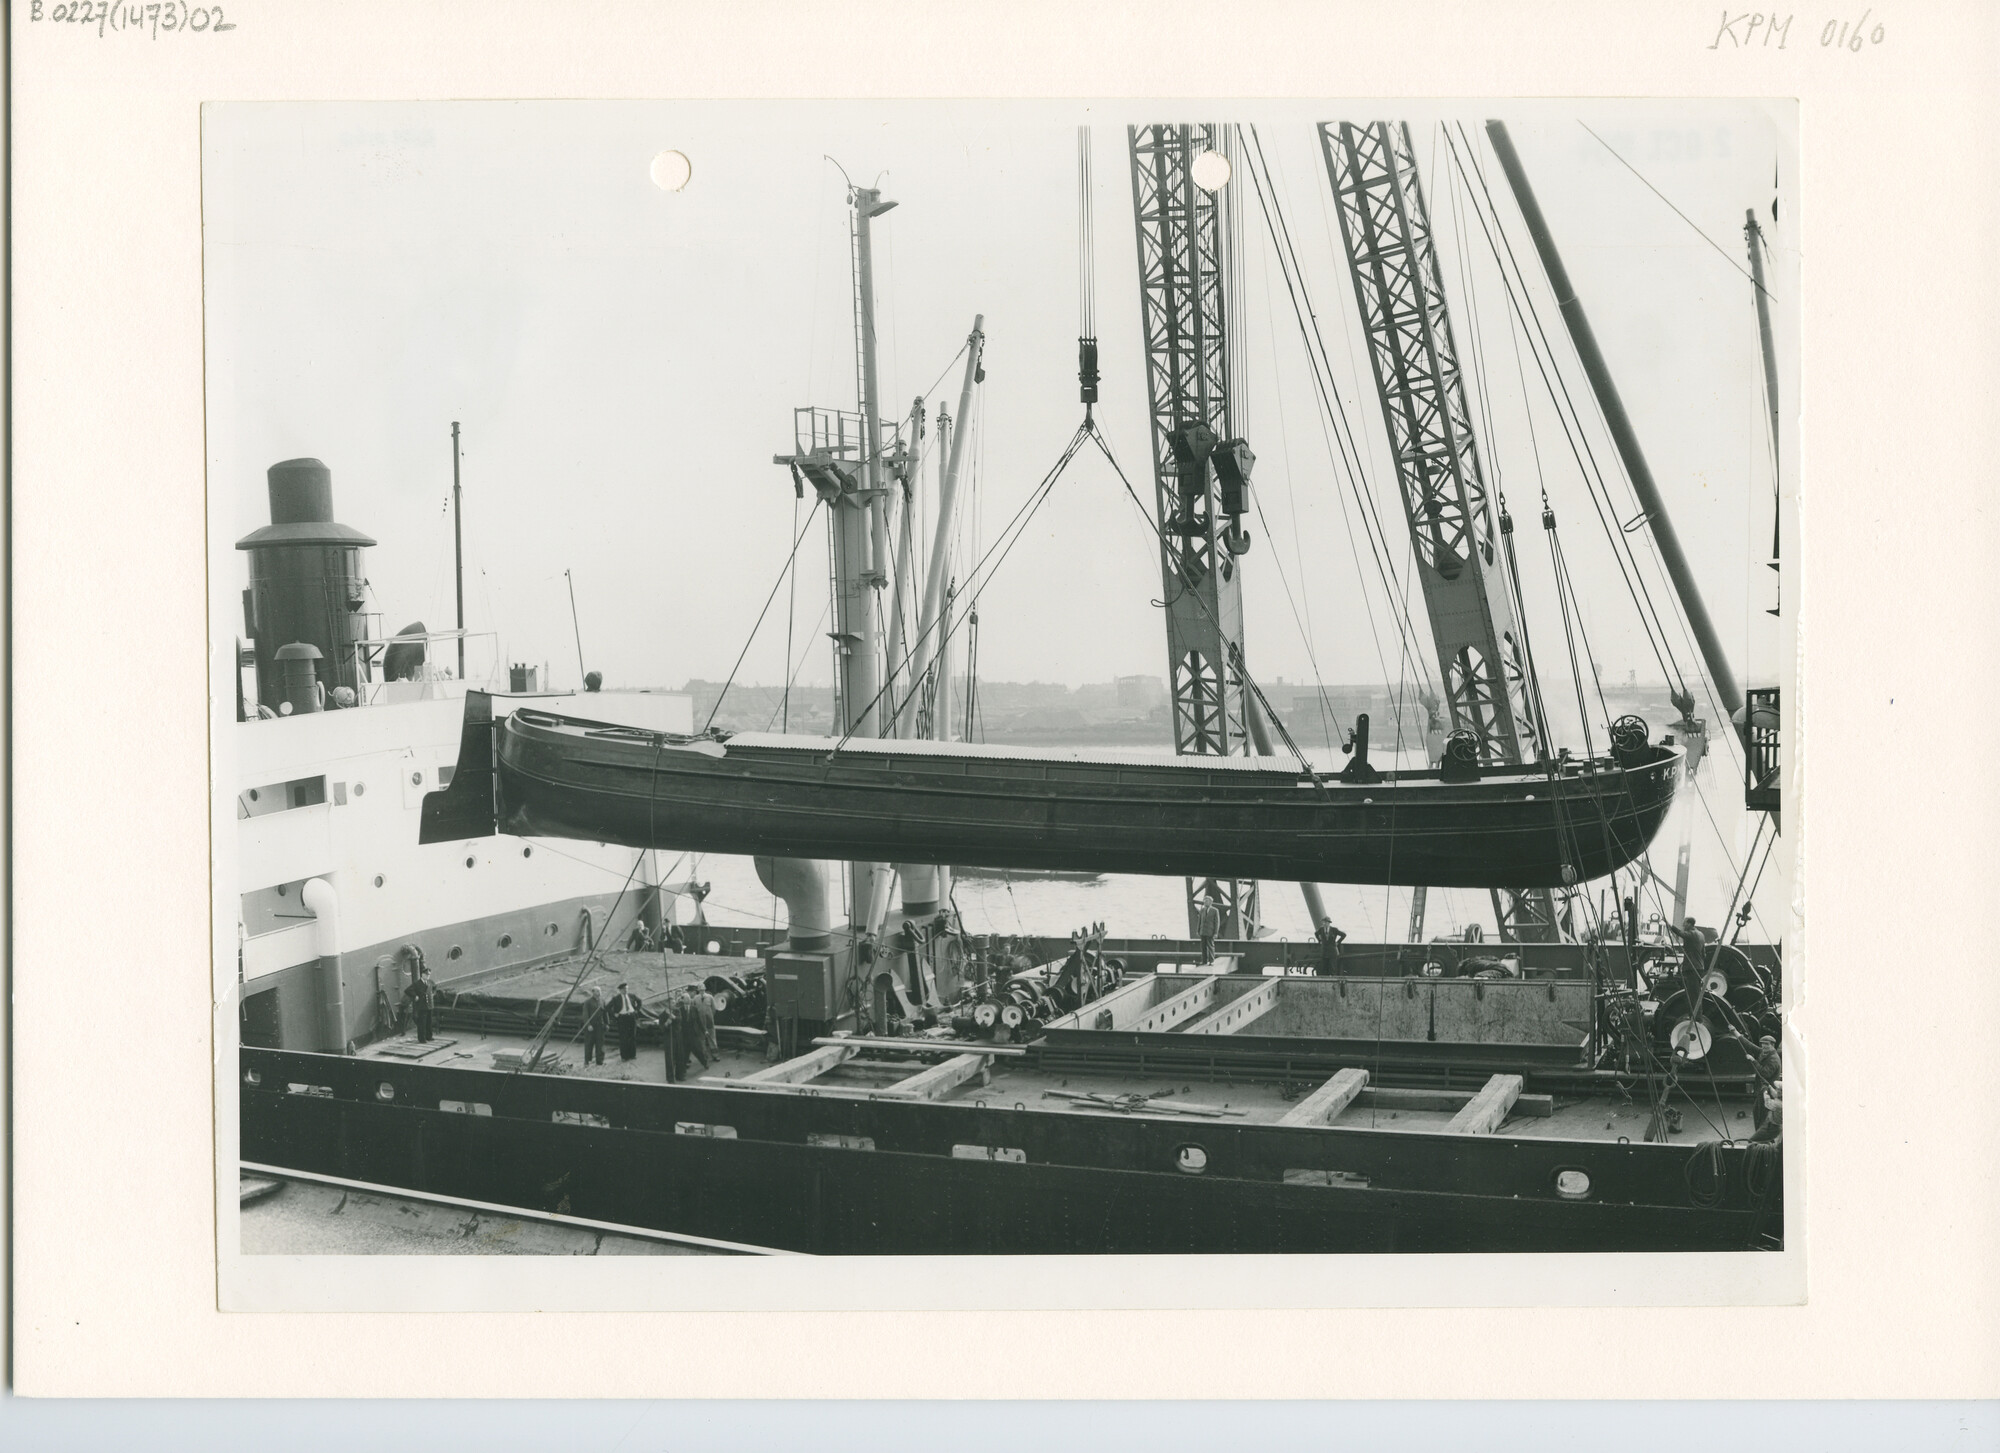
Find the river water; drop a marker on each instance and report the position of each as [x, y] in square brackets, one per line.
[1142, 907]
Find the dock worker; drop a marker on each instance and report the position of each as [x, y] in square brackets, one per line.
[704, 1013]
[687, 1032]
[674, 1038]
[1208, 923]
[1330, 939]
[421, 997]
[593, 1028]
[1766, 1089]
[625, 1013]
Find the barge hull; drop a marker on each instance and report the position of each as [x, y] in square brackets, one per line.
[858, 1176]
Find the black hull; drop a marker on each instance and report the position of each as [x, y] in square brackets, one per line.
[1088, 1184]
[1513, 828]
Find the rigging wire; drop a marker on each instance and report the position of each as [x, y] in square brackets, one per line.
[1236, 661]
[1651, 617]
[1327, 722]
[1554, 383]
[793, 677]
[791, 617]
[1333, 410]
[1677, 211]
[783, 571]
[987, 564]
[1086, 238]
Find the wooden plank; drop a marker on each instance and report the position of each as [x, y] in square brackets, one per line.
[1239, 1011]
[937, 1081]
[805, 1067]
[1323, 1104]
[916, 1044]
[1483, 1114]
[829, 1092]
[1376, 1098]
[1183, 1007]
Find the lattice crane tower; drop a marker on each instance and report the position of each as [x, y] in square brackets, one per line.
[1386, 229]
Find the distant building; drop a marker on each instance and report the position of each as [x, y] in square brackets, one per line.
[1142, 693]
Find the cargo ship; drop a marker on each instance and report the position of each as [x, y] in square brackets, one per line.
[894, 1084]
[340, 732]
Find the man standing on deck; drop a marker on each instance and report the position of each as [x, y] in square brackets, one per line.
[1330, 940]
[625, 1012]
[673, 1036]
[1208, 923]
[688, 1017]
[704, 1015]
[422, 999]
[593, 1028]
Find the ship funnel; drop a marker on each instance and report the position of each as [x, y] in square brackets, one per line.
[801, 882]
[306, 582]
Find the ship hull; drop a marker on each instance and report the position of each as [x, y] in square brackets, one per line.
[1512, 828]
[837, 1176]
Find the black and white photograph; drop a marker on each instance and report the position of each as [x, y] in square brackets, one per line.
[1004, 679]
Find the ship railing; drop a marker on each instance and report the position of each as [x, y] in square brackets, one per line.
[1760, 749]
[837, 432]
[439, 673]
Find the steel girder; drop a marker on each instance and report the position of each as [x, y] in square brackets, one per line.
[1183, 237]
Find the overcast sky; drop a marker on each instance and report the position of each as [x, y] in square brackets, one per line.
[625, 361]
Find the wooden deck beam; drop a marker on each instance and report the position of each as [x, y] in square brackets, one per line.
[1452, 1101]
[1324, 1105]
[939, 1080]
[1483, 1114]
[805, 1067]
[1229, 1018]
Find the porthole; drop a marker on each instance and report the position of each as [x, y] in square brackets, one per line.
[385, 1091]
[359, 788]
[469, 862]
[1192, 1159]
[552, 930]
[416, 779]
[1572, 1185]
[282, 890]
[527, 852]
[378, 880]
[252, 1077]
[506, 940]
[455, 952]
[253, 794]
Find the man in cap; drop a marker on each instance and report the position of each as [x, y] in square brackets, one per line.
[625, 1013]
[421, 996]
